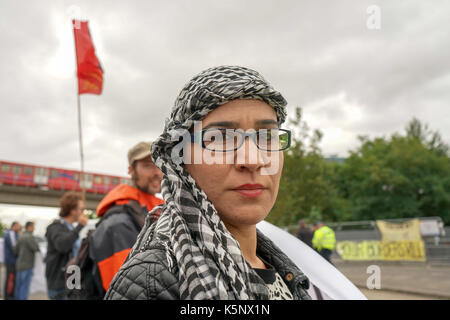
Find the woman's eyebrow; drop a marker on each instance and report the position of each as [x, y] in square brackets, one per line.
[266, 122]
[232, 124]
[222, 124]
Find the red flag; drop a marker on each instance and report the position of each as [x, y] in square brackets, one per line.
[89, 70]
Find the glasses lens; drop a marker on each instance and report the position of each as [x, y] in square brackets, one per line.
[220, 139]
[273, 139]
[267, 139]
[284, 138]
[229, 139]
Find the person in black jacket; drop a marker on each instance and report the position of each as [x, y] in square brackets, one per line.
[305, 233]
[63, 242]
[205, 244]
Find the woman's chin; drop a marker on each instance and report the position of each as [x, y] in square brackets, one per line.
[245, 216]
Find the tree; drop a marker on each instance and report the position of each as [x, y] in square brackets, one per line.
[397, 177]
[432, 140]
[92, 214]
[306, 181]
[3, 227]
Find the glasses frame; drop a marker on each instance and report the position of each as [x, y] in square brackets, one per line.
[252, 135]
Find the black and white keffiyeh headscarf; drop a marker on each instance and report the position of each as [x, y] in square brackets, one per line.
[209, 259]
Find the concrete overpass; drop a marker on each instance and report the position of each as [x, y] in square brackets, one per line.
[41, 197]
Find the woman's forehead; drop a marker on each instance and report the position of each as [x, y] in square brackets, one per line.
[236, 112]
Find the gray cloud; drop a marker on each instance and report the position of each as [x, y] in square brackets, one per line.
[349, 80]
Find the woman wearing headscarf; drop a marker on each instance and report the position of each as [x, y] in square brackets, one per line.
[205, 244]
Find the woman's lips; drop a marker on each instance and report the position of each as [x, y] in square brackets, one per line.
[250, 190]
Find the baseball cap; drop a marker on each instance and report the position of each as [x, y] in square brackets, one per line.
[139, 151]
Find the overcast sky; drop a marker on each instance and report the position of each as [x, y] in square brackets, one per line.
[348, 78]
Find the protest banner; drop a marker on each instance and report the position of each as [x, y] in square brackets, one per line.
[405, 231]
[382, 250]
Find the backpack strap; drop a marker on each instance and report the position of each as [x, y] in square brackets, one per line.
[137, 213]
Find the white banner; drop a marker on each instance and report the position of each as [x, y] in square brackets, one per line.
[320, 272]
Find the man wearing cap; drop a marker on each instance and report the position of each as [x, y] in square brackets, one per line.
[123, 211]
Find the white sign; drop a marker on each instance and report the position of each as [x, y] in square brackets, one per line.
[430, 228]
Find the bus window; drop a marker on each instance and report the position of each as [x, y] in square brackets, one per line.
[97, 180]
[6, 167]
[17, 169]
[75, 176]
[54, 174]
[125, 181]
[41, 172]
[106, 180]
[115, 181]
[28, 170]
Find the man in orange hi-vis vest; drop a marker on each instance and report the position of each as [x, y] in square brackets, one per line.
[123, 212]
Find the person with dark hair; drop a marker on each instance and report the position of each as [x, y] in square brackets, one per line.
[221, 155]
[305, 233]
[122, 212]
[63, 242]
[9, 240]
[25, 250]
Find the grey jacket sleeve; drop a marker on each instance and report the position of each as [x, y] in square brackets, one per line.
[33, 245]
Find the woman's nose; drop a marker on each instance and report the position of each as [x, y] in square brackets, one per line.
[249, 156]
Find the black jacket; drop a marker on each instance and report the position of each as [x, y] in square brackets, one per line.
[151, 273]
[60, 242]
[306, 235]
[113, 239]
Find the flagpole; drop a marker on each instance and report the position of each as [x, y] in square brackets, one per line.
[90, 79]
[82, 181]
[80, 139]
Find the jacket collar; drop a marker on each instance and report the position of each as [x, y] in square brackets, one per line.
[296, 280]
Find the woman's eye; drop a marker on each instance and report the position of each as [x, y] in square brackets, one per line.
[227, 134]
[268, 135]
[217, 135]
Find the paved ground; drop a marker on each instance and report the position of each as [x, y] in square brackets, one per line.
[370, 294]
[422, 279]
[392, 295]
[38, 296]
[399, 280]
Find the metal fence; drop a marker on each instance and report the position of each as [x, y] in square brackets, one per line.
[437, 248]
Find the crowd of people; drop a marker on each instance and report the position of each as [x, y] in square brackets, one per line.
[19, 250]
[201, 241]
[122, 214]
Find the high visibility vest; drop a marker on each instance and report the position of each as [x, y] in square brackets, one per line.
[324, 238]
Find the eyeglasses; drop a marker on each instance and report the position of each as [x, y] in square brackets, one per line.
[223, 140]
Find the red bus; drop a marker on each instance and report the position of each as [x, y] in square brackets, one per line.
[28, 175]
